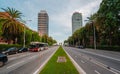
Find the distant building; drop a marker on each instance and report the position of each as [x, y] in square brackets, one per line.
[76, 21]
[43, 21]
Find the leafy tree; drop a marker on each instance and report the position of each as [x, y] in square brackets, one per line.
[35, 36]
[11, 28]
[108, 20]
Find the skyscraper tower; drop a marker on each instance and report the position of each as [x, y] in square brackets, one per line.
[43, 21]
[76, 21]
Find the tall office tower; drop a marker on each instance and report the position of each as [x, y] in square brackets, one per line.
[43, 21]
[76, 21]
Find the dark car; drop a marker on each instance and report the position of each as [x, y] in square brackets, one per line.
[81, 47]
[22, 50]
[3, 59]
[12, 50]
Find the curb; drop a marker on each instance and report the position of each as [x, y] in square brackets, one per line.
[79, 69]
[41, 67]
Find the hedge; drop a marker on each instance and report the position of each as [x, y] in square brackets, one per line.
[6, 46]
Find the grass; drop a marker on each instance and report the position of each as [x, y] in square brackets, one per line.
[53, 67]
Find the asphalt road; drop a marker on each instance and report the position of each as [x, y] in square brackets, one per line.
[26, 63]
[96, 61]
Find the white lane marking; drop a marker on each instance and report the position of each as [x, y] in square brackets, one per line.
[102, 55]
[32, 57]
[115, 71]
[15, 64]
[12, 58]
[82, 61]
[80, 70]
[18, 56]
[40, 68]
[97, 72]
[106, 67]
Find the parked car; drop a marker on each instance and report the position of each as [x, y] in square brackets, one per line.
[81, 47]
[24, 49]
[12, 50]
[3, 59]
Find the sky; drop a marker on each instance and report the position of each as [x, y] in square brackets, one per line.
[59, 12]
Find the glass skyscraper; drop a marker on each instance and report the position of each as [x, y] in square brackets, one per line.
[76, 21]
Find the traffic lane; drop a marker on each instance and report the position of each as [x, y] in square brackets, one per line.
[21, 55]
[88, 66]
[110, 62]
[107, 54]
[104, 52]
[13, 59]
[15, 63]
[32, 66]
[18, 56]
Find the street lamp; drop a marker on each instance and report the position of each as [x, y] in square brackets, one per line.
[94, 35]
[92, 22]
[119, 16]
[24, 22]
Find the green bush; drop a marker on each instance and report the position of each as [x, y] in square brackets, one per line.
[109, 48]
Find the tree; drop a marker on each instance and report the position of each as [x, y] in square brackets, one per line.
[108, 21]
[35, 36]
[11, 27]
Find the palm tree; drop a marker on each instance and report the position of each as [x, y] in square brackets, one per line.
[11, 27]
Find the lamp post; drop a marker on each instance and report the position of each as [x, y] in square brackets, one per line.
[119, 19]
[94, 35]
[24, 37]
[24, 31]
[92, 22]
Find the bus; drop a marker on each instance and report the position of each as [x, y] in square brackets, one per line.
[38, 46]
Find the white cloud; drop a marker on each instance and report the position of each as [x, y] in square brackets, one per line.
[63, 18]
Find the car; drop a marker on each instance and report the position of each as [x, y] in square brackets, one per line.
[3, 59]
[24, 49]
[9, 51]
[81, 47]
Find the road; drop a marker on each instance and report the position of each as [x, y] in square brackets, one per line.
[26, 63]
[95, 61]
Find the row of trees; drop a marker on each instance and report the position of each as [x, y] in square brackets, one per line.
[12, 30]
[107, 26]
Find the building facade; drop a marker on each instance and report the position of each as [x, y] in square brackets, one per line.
[76, 21]
[43, 21]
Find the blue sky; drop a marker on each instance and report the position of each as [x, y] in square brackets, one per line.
[59, 11]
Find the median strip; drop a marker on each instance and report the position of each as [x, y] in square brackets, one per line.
[59, 64]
